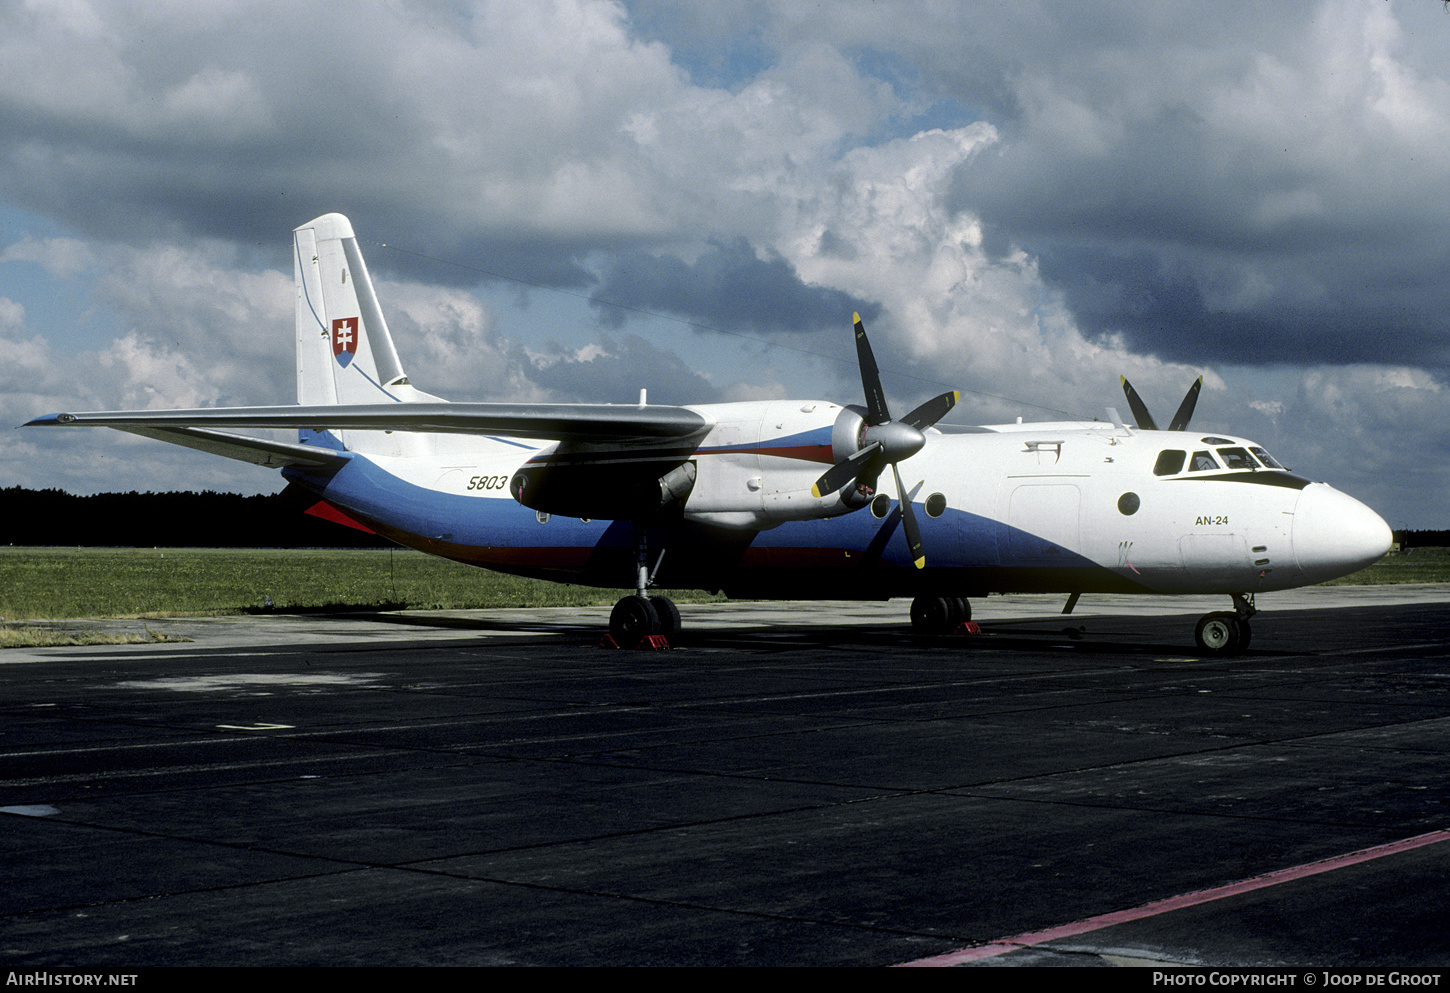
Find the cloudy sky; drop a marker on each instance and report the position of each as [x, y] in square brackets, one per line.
[568, 200]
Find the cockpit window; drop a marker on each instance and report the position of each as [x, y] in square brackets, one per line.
[1237, 458]
[1266, 458]
[1168, 463]
[1202, 462]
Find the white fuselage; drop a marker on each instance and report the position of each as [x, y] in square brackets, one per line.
[1039, 507]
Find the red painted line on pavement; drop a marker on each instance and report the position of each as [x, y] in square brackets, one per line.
[1004, 945]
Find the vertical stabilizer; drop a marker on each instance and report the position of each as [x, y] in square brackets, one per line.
[344, 351]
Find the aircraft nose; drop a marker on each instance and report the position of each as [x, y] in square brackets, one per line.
[1334, 534]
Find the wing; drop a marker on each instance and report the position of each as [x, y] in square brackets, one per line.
[610, 461]
[569, 422]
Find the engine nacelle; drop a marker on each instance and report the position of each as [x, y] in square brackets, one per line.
[846, 433]
[846, 441]
[638, 488]
[760, 460]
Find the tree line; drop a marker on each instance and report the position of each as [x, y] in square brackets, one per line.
[169, 520]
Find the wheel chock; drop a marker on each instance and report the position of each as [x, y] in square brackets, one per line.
[651, 642]
[968, 627]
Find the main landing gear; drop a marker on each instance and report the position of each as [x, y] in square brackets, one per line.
[641, 616]
[939, 614]
[1227, 632]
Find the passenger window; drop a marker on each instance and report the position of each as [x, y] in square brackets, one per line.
[1202, 462]
[1168, 463]
[1266, 458]
[1237, 458]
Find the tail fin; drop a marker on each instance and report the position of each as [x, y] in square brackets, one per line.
[344, 351]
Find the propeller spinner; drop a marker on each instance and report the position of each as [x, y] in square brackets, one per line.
[1145, 420]
[885, 442]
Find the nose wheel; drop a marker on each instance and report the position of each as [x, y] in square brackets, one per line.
[1226, 632]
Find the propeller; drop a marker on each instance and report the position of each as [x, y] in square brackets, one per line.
[884, 442]
[1145, 419]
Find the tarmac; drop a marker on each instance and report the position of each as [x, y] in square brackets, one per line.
[789, 784]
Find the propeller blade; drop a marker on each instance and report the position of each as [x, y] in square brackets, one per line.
[876, 412]
[894, 440]
[1185, 409]
[846, 470]
[908, 522]
[932, 411]
[1138, 407]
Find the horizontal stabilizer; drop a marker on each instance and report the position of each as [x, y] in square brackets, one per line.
[580, 423]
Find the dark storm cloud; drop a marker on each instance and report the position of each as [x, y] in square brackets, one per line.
[1169, 242]
[1164, 310]
[1268, 200]
[727, 287]
[411, 250]
[433, 125]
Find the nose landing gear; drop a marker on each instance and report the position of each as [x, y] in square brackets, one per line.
[1227, 632]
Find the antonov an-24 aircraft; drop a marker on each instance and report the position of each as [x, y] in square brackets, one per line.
[781, 498]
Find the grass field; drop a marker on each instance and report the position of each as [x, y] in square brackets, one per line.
[160, 582]
[133, 582]
[1418, 565]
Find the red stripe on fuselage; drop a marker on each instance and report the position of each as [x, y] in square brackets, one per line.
[328, 512]
[803, 453]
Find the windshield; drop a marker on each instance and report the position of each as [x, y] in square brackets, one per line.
[1266, 458]
[1237, 458]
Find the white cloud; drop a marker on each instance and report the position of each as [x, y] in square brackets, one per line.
[65, 257]
[450, 344]
[1267, 157]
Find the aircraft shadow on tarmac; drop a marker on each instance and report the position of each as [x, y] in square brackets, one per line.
[1292, 632]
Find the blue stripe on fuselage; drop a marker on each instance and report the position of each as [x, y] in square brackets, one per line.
[957, 539]
[367, 490]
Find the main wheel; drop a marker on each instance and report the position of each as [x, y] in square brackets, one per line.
[935, 614]
[669, 615]
[633, 618]
[1220, 633]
